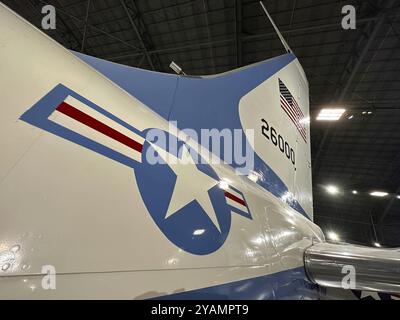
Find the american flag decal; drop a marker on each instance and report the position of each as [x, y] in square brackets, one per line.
[292, 109]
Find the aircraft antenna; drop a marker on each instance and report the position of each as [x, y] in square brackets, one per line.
[287, 48]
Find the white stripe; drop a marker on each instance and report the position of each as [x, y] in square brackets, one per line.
[94, 135]
[102, 118]
[236, 205]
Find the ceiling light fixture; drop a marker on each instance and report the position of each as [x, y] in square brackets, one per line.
[377, 244]
[379, 194]
[332, 189]
[330, 114]
[354, 192]
[333, 236]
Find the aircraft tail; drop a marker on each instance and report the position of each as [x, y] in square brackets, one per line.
[267, 101]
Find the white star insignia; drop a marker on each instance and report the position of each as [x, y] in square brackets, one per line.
[191, 184]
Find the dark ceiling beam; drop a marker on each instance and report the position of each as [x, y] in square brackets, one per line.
[192, 15]
[228, 41]
[161, 9]
[387, 209]
[350, 71]
[207, 23]
[261, 36]
[136, 29]
[382, 212]
[342, 162]
[140, 62]
[292, 18]
[317, 216]
[358, 58]
[238, 9]
[58, 31]
[85, 25]
[100, 30]
[174, 48]
[227, 11]
[180, 4]
[69, 29]
[299, 27]
[395, 181]
[162, 12]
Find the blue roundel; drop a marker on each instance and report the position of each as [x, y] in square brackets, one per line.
[190, 226]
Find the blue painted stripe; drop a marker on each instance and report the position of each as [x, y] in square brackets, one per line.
[290, 284]
[38, 115]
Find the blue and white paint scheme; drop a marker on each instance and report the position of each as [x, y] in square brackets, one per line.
[78, 194]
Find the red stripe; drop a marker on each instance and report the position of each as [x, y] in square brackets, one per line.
[289, 107]
[234, 198]
[296, 111]
[300, 113]
[298, 108]
[91, 122]
[289, 112]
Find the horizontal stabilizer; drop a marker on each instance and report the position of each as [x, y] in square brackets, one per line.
[353, 267]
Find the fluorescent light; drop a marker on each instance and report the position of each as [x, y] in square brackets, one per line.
[377, 244]
[332, 189]
[351, 117]
[378, 194]
[354, 192]
[364, 112]
[333, 236]
[369, 112]
[330, 114]
[398, 197]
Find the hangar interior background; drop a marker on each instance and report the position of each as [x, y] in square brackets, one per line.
[355, 69]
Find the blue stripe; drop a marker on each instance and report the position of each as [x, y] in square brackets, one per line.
[38, 115]
[289, 284]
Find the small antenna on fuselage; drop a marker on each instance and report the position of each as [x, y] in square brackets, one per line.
[178, 70]
[287, 48]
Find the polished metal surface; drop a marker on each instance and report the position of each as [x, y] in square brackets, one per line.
[353, 267]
